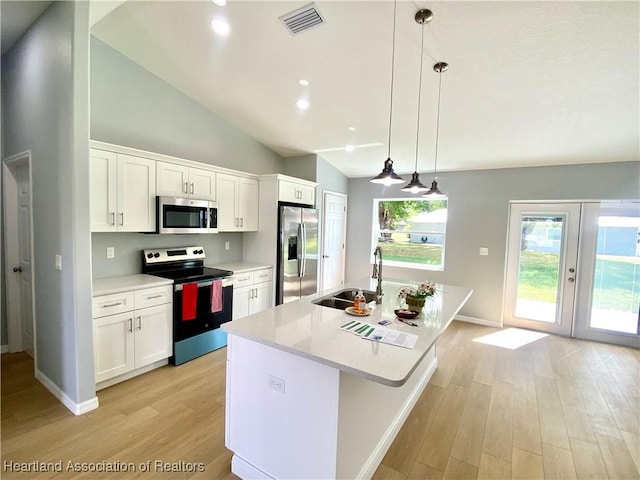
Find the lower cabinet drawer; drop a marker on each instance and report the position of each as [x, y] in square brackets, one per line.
[264, 275]
[150, 297]
[112, 304]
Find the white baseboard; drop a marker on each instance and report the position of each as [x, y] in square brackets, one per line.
[478, 321]
[246, 470]
[4, 348]
[75, 408]
[374, 461]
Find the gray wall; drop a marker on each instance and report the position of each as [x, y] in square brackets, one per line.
[478, 216]
[302, 166]
[45, 95]
[130, 106]
[330, 178]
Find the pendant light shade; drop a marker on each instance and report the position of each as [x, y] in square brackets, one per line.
[434, 191]
[388, 176]
[415, 185]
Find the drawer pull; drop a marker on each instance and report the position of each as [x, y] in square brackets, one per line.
[264, 276]
[107, 305]
[155, 296]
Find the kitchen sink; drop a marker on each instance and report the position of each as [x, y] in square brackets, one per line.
[344, 298]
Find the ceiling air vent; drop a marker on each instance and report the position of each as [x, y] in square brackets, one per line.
[302, 19]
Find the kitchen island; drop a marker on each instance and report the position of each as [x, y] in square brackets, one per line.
[306, 399]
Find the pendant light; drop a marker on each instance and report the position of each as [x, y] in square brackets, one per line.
[415, 185]
[388, 176]
[434, 192]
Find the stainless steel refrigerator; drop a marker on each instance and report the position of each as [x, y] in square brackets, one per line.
[297, 272]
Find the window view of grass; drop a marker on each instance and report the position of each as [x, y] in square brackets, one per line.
[411, 231]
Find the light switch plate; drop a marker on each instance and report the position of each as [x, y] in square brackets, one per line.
[484, 251]
[58, 262]
[226, 245]
[111, 252]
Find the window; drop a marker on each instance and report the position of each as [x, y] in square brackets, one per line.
[411, 233]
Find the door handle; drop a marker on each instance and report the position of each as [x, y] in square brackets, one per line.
[191, 187]
[131, 325]
[122, 219]
[241, 221]
[571, 279]
[139, 323]
[113, 219]
[186, 187]
[17, 269]
[572, 270]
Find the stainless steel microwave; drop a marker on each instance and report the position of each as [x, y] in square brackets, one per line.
[186, 215]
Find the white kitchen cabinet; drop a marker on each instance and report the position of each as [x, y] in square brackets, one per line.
[252, 292]
[175, 180]
[123, 192]
[296, 192]
[237, 203]
[131, 330]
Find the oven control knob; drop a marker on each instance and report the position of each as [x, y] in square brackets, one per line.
[195, 252]
[200, 251]
[156, 254]
[149, 255]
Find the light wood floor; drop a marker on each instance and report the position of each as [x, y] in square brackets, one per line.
[556, 408]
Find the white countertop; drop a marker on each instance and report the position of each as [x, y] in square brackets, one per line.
[241, 267]
[106, 286]
[312, 331]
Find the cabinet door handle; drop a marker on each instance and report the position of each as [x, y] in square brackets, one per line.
[186, 186]
[122, 219]
[241, 221]
[139, 323]
[155, 296]
[191, 187]
[256, 295]
[107, 305]
[113, 219]
[131, 325]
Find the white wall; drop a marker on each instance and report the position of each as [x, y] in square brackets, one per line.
[478, 215]
[45, 106]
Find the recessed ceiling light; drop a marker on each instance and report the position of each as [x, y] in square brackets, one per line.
[303, 82]
[220, 3]
[302, 104]
[352, 129]
[349, 148]
[220, 26]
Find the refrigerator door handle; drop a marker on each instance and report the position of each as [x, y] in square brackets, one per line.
[299, 250]
[304, 249]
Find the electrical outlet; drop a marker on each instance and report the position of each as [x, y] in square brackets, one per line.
[276, 383]
[111, 252]
[226, 245]
[484, 251]
[58, 262]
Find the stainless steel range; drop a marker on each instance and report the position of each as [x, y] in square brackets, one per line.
[202, 299]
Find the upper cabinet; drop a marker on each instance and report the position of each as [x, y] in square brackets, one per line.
[175, 180]
[237, 203]
[123, 192]
[296, 191]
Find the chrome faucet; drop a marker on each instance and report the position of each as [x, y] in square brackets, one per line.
[377, 272]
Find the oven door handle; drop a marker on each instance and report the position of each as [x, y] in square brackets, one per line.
[226, 282]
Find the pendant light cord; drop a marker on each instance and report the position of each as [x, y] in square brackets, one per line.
[419, 98]
[435, 164]
[393, 62]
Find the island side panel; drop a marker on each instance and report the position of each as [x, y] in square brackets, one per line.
[371, 415]
[286, 433]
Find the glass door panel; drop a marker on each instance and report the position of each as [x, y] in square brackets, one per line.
[609, 293]
[541, 266]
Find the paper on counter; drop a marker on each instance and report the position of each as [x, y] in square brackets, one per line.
[377, 333]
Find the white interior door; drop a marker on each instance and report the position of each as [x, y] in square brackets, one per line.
[18, 253]
[334, 213]
[542, 257]
[24, 262]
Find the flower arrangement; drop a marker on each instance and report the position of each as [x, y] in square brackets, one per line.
[415, 298]
[424, 290]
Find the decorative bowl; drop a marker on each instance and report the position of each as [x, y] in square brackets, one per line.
[406, 314]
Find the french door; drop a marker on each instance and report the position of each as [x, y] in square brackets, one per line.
[574, 269]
